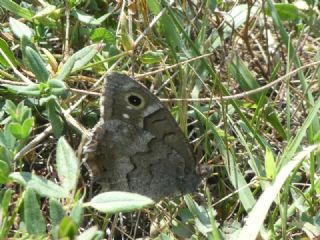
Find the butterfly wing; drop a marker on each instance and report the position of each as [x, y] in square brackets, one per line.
[139, 146]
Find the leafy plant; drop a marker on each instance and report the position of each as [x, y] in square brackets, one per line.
[241, 79]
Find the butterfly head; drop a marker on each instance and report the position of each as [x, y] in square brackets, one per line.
[127, 100]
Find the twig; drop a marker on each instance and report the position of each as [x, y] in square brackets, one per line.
[66, 42]
[84, 92]
[139, 76]
[235, 96]
[15, 70]
[244, 94]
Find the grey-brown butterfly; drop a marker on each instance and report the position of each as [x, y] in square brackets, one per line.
[137, 146]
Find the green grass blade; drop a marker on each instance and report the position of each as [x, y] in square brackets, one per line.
[295, 143]
[16, 9]
[235, 175]
[260, 210]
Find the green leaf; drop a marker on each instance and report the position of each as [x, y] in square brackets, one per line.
[68, 165]
[4, 172]
[304, 85]
[167, 25]
[247, 82]
[201, 216]
[10, 108]
[5, 154]
[67, 229]
[30, 90]
[5, 213]
[57, 87]
[21, 131]
[212, 4]
[85, 55]
[20, 29]
[26, 42]
[54, 83]
[125, 38]
[56, 211]
[47, 10]
[16, 9]
[154, 6]
[32, 214]
[27, 127]
[245, 78]
[113, 202]
[91, 234]
[295, 143]
[151, 57]
[7, 140]
[66, 69]
[88, 19]
[102, 34]
[54, 118]
[23, 112]
[36, 64]
[41, 185]
[271, 168]
[234, 174]
[77, 213]
[312, 229]
[16, 129]
[7, 51]
[286, 11]
[6, 202]
[44, 100]
[78, 60]
[260, 211]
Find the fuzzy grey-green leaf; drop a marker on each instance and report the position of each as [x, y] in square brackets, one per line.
[20, 29]
[56, 211]
[114, 201]
[16, 9]
[41, 185]
[68, 165]
[36, 64]
[32, 214]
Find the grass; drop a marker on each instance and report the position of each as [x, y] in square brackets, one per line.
[241, 79]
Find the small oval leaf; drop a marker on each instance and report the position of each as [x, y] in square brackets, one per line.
[56, 211]
[91, 233]
[68, 228]
[102, 34]
[68, 165]
[151, 57]
[41, 185]
[20, 29]
[115, 201]
[36, 64]
[54, 117]
[30, 90]
[16, 9]
[4, 172]
[32, 214]
[57, 87]
[5, 203]
[85, 55]
[77, 213]
[9, 54]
